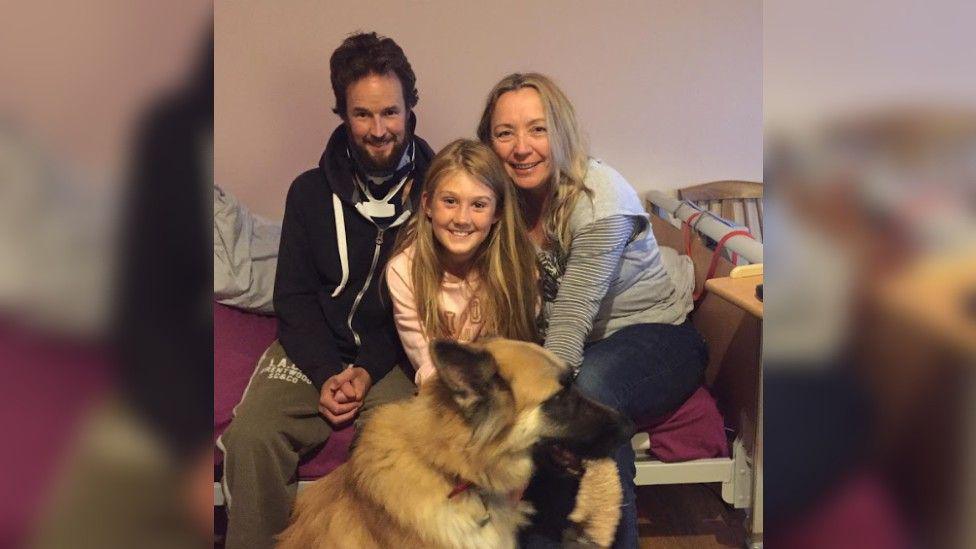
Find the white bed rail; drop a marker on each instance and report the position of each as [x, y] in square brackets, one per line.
[708, 224]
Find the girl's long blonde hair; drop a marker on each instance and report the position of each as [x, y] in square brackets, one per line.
[567, 147]
[504, 263]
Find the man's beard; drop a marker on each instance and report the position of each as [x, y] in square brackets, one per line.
[376, 166]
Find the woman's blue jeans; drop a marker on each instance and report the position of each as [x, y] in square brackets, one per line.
[644, 371]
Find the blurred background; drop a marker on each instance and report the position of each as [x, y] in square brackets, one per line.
[106, 132]
[106, 161]
[870, 338]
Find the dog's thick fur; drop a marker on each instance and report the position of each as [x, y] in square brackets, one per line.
[474, 424]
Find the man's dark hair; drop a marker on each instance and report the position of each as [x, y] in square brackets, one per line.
[363, 54]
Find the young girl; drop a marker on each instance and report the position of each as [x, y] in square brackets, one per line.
[465, 267]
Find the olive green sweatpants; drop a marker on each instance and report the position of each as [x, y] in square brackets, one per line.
[276, 424]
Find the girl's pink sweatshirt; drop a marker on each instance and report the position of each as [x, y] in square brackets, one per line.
[460, 307]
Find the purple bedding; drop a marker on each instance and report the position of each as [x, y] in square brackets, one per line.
[239, 340]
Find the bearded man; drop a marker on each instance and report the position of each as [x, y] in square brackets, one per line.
[337, 353]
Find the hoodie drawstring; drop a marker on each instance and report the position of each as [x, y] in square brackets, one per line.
[341, 241]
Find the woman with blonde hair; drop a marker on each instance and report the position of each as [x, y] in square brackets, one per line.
[464, 268]
[610, 308]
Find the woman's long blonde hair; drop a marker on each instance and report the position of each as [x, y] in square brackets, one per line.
[568, 153]
[504, 263]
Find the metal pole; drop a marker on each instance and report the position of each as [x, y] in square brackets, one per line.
[709, 225]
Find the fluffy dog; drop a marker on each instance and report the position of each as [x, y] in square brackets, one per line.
[446, 469]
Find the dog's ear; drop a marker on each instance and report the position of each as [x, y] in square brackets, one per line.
[466, 371]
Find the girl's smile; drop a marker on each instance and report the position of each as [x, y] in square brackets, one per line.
[461, 211]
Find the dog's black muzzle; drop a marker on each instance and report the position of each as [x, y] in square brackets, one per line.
[583, 426]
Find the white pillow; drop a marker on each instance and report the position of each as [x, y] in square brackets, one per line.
[245, 255]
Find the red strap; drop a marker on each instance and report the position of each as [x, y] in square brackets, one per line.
[460, 487]
[686, 230]
[713, 264]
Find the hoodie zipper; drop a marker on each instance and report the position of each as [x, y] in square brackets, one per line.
[369, 278]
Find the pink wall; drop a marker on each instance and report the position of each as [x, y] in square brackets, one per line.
[669, 92]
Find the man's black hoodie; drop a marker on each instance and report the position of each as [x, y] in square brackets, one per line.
[321, 332]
